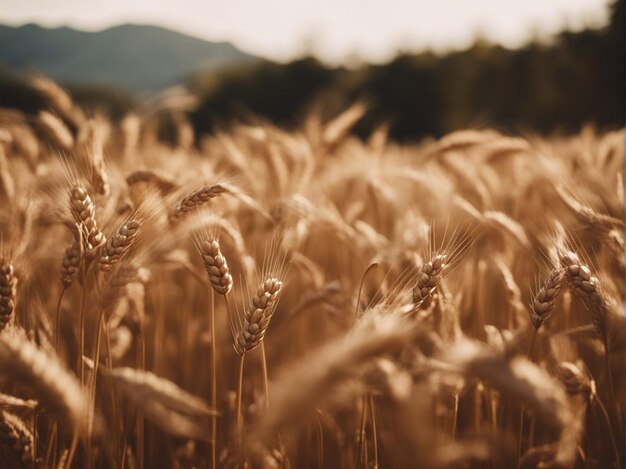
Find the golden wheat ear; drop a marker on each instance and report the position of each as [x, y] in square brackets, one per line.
[216, 267]
[119, 244]
[84, 213]
[194, 200]
[8, 291]
[544, 300]
[428, 279]
[256, 318]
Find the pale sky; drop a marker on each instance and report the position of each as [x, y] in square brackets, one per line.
[334, 30]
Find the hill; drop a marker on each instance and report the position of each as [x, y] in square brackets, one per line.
[135, 57]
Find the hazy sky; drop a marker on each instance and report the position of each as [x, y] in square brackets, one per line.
[334, 29]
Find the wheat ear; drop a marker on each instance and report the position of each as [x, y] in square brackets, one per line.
[70, 266]
[8, 290]
[194, 200]
[428, 279]
[587, 287]
[257, 317]
[118, 245]
[84, 213]
[216, 267]
[543, 302]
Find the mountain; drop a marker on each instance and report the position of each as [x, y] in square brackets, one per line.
[135, 57]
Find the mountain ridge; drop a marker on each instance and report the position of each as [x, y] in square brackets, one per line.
[136, 57]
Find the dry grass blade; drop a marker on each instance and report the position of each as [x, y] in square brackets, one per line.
[148, 387]
[517, 377]
[339, 127]
[167, 405]
[55, 130]
[587, 215]
[309, 382]
[525, 382]
[507, 225]
[7, 401]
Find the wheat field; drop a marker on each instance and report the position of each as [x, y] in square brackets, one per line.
[302, 298]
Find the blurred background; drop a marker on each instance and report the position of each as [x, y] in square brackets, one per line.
[423, 68]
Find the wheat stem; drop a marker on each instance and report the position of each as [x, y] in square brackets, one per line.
[213, 381]
[532, 344]
[607, 421]
[57, 320]
[320, 447]
[361, 441]
[374, 430]
[455, 413]
[238, 411]
[140, 423]
[609, 377]
[81, 327]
